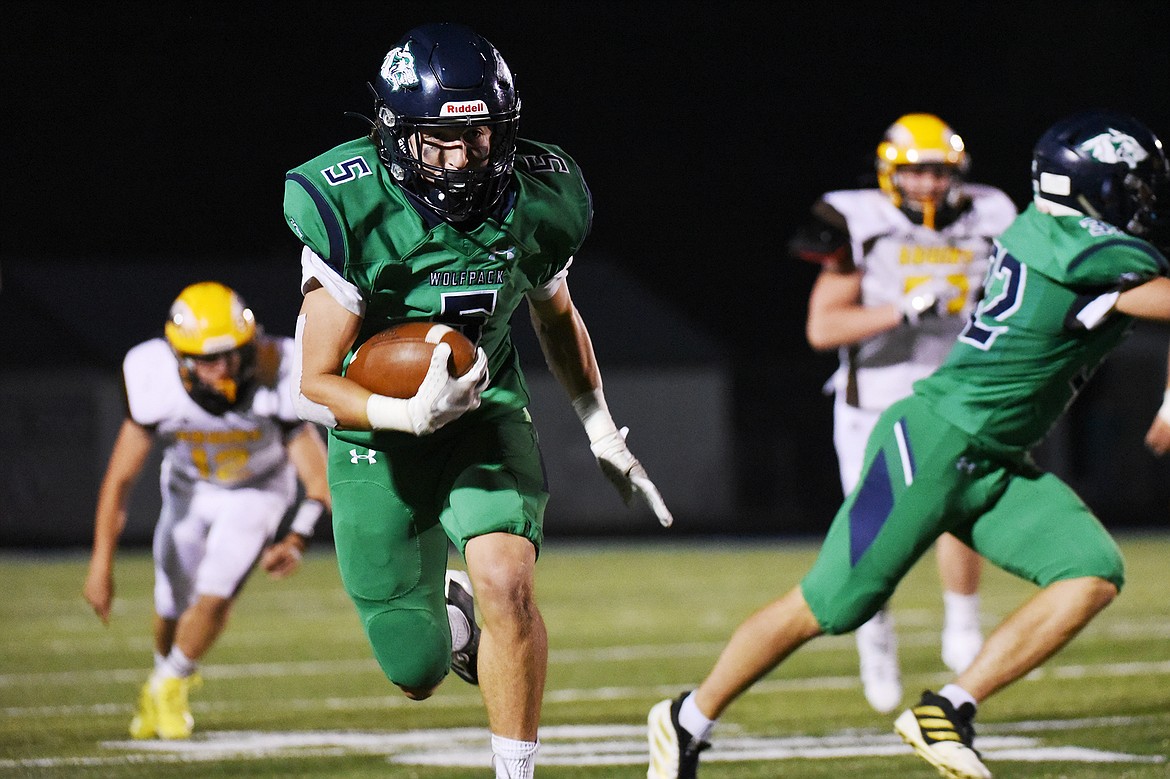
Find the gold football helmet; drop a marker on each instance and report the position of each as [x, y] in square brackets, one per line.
[209, 324]
[921, 140]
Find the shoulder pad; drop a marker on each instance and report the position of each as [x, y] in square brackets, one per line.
[826, 242]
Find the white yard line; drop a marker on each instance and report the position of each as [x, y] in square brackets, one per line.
[568, 745]
[456, 696]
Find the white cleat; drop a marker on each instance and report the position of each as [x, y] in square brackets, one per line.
[877, 649]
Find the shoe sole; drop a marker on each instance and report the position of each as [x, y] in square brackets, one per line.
[906, 726]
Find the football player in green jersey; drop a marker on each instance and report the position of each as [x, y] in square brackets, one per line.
[442, 213]
[1065, 284]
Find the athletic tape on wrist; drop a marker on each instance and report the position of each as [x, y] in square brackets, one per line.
[305, 520]
[387, 413]
[594, 415]
[1164, 412]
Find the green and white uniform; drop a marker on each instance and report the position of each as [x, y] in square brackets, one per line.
[397, 498]
[953, 457]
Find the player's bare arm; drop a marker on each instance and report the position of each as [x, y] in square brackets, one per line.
[127, 458]
[569, 353]
[328, 333]
[1147, 301]
[565, 342]
[836, 316]
[307, 453]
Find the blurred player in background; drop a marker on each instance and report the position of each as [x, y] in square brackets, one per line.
[442, 213]
[217, 394]
[1066, 283]
[901, 268]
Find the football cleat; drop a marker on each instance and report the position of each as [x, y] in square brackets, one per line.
[943, 736]
[674, 753]
[172, 708]
[464, 662]
[877, 650]
[145, 723]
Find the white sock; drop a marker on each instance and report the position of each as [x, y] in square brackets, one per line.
[460, 630]
[957, 695]
[694, 721]
[177, 665]
[159, 662]
[961, 611]
[513, 759]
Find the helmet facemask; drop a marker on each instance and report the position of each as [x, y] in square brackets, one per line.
[219, 393]
[1147, 207]
[457, 195]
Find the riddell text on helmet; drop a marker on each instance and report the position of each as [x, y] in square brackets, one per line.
[475, 107]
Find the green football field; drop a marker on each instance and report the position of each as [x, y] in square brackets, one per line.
[291, 689]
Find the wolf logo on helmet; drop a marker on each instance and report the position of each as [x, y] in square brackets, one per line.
[212, 333]
[398, 69]
[1113, 146]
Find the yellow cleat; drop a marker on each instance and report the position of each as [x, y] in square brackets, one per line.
[172, 709]
[145, 722]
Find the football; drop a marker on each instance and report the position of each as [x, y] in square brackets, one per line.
[394, 361]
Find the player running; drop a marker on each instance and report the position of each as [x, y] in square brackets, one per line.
[900, 269]
[216, 395]
[1065, 285]
[442, 213]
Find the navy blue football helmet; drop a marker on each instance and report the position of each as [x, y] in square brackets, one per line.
[437, 78]
[1108, 166]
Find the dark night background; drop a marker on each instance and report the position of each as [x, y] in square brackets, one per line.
[145, 147]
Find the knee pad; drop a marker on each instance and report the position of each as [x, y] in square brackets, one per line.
[411, 646]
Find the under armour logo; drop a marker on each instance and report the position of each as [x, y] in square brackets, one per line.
[368, 457]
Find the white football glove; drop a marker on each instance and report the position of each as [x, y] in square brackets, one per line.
[929, 298]
[441, 397]
[619, 465]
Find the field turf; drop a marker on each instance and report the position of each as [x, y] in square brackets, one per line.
[291, 689]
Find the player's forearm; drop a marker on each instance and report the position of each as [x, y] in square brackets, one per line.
[1148, 301]
[844, 326]
[109, 521]
[568, 350]
[344, 399]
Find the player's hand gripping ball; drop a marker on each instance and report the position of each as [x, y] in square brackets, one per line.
[394, 361]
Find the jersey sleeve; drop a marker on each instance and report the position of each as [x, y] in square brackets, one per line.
[557, 209]
[303, 213]
[151, 377]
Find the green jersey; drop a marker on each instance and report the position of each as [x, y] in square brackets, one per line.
[1043, 326]
[345, 207]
